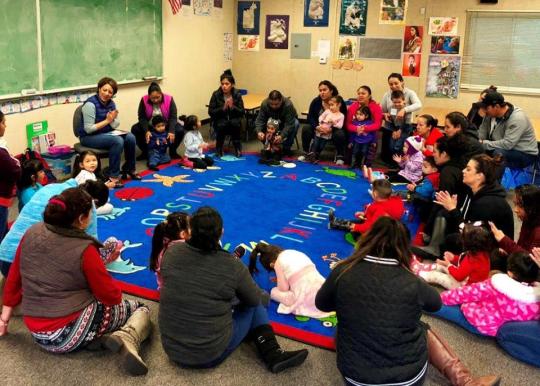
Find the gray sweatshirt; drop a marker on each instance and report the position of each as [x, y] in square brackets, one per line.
[513, 131]
[412, 103]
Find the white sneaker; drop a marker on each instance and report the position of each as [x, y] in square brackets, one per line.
[301, 158]
[340, 162]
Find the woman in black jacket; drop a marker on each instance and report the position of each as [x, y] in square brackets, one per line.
[226, 109]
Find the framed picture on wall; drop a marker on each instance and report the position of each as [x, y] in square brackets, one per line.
[347, 47]
[316, 13]
[353, 17]
[445, 45]
[393, 12]
[443, 26]
[443, 76]
[249, 13]
[412, 39]
[411, 65]
[277, 32]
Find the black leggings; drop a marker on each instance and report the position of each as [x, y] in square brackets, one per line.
[202, 163]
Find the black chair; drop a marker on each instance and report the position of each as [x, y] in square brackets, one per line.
[79, 148]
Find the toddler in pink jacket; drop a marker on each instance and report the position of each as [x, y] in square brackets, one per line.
[487, 305]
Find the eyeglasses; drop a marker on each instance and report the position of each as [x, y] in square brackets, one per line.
[474, 224]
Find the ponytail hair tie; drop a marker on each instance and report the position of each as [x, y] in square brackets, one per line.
[58, 202]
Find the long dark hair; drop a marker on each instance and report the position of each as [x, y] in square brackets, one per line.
[388, 238]
[165, 232]
[528, 197]
[206, 227]
[267, 253]
[458, 119]
[64, 208]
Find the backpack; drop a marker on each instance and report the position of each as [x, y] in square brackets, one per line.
[30, 155]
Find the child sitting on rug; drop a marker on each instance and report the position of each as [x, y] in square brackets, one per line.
[297, 279]
[360, 141]
[271, 152]
[194, 143]
[332, 118]
[472, 266]
[87, 167]
[423, 193]
[384, 204]
[482, 308]
[410, 162]
[175, 228]
[158, 144]
[32, 173]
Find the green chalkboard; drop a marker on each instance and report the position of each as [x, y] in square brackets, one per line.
[84, 40]
[18, 46]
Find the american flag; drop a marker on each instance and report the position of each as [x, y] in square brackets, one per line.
[175, 6]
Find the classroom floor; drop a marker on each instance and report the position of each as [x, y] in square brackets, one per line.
[23, 363]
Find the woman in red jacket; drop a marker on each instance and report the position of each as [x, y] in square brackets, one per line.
[68, 298]
[527, 209]
[426, 127]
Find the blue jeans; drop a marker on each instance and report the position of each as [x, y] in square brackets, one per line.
[359, 152]
[454, 314]
[287, 144]
[158, 157]
[514, 159]
[521, 340]
[245, 319]
[114, 144]
[318, 145]
[392, 146]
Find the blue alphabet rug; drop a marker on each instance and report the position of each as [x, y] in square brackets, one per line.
[281, 205]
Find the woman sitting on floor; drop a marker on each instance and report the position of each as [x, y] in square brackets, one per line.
[68, 298]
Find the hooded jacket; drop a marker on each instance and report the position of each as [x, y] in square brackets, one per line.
[488, 204]
[392, 207]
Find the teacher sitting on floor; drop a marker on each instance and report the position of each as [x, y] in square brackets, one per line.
[152, 104]
[100, 118]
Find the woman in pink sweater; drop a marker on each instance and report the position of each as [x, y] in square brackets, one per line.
[482, 308]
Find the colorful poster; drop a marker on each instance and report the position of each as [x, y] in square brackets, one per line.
[443, 76]
[393, 12]
[445, 45]
[202, 7]
[277, 32]
[316, 13]
[443, 26]
[412, 39]
[411, 65]
[249, 13]
[348, 47]
[248, 42]
[353, 17]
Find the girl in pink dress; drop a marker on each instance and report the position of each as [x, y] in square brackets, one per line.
[174, 229]
[297, 279]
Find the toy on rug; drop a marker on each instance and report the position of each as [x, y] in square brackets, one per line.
[297, 279]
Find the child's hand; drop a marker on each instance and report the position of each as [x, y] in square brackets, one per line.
[497, 233]
[110, 184]
[411, 187]
[147, 136]
[351, 227]
[535, 255]
[443, 263]
[396, 134]
[400, 114]
[360, 129]
[397, 158]
[448, 256]
[350, 145]
[360, 215]
[387, 117]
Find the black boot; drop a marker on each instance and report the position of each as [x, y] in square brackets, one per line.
[237, 149]
[336, 223]
[271, 353]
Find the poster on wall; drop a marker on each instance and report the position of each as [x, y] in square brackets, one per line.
[316, 13]
[353, 17]
[411, 65]
[249, 13]
[227, 46]
[277, 32]
[443, 26]
[445, 45]
[393, 12]
[412, 39]
[202, 7]
[248, 42]
[443, 76]
[347, 47]
[217, 10]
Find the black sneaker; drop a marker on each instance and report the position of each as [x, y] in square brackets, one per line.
[239, 251]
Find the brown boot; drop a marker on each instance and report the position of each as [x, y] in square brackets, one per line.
[128, 339]
[443, 358]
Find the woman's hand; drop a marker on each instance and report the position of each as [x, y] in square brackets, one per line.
[535, 255]
[400, 114]
[397, 158]
[170, 137]
[497, 233]
[278, 139]
[147, 136]
[360, 129]
[447, 201]
[396, 134]
[111, 116]
[4, 319]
